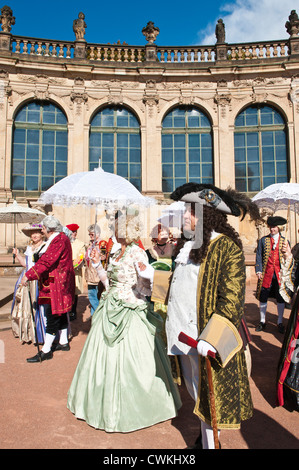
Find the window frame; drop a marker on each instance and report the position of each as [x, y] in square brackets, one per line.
[116, 131]
[187, 131]
[260, 129]
[41, 127]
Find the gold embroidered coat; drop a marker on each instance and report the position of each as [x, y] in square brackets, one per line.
[220, 301]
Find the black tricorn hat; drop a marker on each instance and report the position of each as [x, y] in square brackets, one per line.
[274, 221]
[228, 201]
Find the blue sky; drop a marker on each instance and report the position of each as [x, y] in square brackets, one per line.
[180, 24]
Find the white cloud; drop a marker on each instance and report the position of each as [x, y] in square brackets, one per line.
[251, 20]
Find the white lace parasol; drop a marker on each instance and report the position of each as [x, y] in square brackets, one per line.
[95, 187]
[280, 196]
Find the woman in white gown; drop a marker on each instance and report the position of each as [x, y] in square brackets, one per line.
[21, 316]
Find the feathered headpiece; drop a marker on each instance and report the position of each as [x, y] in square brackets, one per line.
[228, 201]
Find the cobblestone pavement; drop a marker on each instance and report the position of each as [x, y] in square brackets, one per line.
[33, 399]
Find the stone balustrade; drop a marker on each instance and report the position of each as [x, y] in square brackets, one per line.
[258, 50]
[137, 54]
[115, 53]
[123, 53]
[186, 54]
[42, 47]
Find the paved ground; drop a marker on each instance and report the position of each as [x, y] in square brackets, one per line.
[33, 398]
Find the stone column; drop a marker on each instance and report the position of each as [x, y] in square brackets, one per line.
[151, 143]
[224, 175]
[78, 147]
[5, 137]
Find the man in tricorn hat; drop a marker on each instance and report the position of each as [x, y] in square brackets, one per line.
[206, 301]
[269, 259]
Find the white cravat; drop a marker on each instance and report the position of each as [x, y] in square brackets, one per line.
[275, 239]
[182, 307]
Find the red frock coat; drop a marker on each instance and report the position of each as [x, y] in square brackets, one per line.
[273, 266]
[55, 273]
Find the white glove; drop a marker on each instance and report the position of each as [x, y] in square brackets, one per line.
[101, 272]
[203, 347]
[147, 273]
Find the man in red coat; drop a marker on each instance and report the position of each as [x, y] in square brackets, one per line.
[269, 258]
[55, 274]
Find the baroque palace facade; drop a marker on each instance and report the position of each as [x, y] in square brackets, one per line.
[226, 114]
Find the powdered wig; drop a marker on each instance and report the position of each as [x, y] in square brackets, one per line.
[94, 228]
[129, 227]
[52, 224]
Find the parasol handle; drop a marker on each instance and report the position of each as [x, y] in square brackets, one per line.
[288, 219]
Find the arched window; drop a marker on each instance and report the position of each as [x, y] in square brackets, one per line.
[39, 149]
[187, 151]
[115, 142]
[260, 148]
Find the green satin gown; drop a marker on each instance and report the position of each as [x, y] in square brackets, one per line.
[123, 380]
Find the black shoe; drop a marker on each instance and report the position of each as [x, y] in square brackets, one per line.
[40, 357]
[197, 444]
[261, 326]
[280, 328]
[61, 347]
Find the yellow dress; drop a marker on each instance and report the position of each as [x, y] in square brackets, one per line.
[78, 252]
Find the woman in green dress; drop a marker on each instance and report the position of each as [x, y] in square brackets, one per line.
[123, 380]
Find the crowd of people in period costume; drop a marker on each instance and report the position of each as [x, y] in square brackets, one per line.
[140, 302]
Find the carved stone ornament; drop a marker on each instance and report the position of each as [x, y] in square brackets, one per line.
[7, 20]
[79, 99]
[294, 93]
[115, 98]
[79, 26]
[292, 26]
[186, 93]
[259, 96]
[220, 32]
[150, 32]
[150, 97]
[41, 93]
[3, 73]
[79, 81]
[222, 101]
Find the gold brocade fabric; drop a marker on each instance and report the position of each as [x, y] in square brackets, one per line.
[221, 290]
